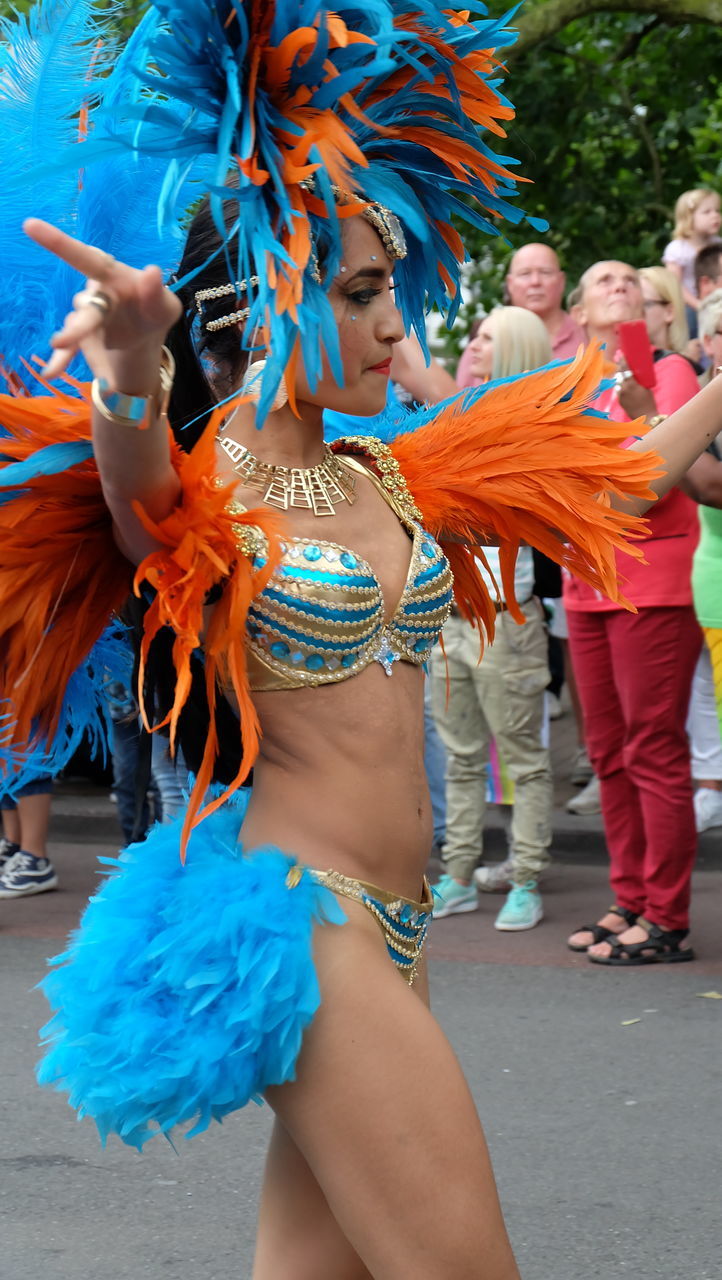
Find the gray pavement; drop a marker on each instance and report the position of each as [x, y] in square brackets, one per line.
[599, 1091]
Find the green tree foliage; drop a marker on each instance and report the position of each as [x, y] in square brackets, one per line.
[617, 114]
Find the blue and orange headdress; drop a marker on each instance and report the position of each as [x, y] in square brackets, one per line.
[297, 116]
[289, 117]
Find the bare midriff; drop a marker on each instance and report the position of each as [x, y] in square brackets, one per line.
[340, 780]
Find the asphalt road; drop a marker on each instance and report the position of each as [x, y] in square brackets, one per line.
[599, 1091]
[605, 1137]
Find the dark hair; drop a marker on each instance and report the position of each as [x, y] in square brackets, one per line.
[708, 264]
[193, 397]
[192, 400]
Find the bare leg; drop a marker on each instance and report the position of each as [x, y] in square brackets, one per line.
[388, 1131]
[34, 813]
[11, 825]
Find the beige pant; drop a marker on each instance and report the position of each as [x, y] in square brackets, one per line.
[502, 698]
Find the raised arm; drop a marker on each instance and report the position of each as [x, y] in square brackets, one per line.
[120, 320]
[679, 439]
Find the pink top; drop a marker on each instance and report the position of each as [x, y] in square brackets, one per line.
[674, 524]
[568, 338]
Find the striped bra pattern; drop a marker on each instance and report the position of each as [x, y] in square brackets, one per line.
[321, 618]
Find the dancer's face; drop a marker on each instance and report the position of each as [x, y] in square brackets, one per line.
[369, 325]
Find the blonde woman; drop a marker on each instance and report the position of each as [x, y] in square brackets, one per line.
[501, 698]
[664, 311]
[510, 340]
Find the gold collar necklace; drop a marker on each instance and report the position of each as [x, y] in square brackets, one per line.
[318, 489]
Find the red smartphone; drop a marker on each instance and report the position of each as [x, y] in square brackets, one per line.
[637, 351]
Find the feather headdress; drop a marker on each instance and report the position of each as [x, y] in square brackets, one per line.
[58, 64]
[298, 116]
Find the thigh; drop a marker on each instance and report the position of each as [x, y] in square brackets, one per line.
[383, 1118]
[655, 652]
[298, 1235]
[511, 682]
[594, 668]
[458, 716]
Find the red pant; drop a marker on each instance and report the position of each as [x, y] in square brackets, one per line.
[634, 673]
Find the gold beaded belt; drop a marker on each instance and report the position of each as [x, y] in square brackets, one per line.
[403, 922]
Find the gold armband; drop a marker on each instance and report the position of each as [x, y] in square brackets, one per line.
[135, 411]
[658, 417]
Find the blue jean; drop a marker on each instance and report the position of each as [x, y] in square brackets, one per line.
[169, 776]
[38, 787]
[435, 764]
[126, 737]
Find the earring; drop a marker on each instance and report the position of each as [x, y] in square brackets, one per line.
[251, 385]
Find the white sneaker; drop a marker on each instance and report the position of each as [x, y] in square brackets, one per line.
[491, 879]
[555, 710]
[588, 801]
[707, 808]
[582, 770]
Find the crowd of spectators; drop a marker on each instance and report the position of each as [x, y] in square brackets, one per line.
[645, 688]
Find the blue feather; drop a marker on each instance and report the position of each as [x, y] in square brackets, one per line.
[185, 992]
[45, 61]
[84, 716]
[45, 462]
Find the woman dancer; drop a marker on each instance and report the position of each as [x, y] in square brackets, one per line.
[189, 988]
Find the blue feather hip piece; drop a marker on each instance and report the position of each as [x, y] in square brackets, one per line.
[186, 990]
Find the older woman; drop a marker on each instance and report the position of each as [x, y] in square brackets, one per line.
[634, 672]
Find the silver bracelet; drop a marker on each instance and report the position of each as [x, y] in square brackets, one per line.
[135, 411]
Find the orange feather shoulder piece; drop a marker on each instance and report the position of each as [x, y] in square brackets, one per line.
[526, 461]
[207, 542]
[62, 576]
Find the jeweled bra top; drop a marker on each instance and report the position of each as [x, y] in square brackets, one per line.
[321, 618]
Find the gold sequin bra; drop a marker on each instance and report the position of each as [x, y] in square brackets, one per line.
[321, 618]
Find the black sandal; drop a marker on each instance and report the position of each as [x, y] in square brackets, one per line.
[661, 947]
[599, 932]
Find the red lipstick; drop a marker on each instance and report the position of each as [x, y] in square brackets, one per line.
[384, 367]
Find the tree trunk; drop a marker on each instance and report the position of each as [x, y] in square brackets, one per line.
[544, 21]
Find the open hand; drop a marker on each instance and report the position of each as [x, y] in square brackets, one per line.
[120, 317]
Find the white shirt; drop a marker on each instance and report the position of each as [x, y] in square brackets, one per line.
[523, 573]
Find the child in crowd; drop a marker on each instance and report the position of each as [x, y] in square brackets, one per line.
[697, 221]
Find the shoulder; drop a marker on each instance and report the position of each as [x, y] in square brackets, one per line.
[676, 381]
[379, 460]
[678, 251]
